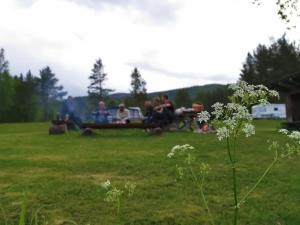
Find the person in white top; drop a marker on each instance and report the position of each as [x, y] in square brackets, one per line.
[123, 114]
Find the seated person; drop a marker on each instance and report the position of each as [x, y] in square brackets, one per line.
[123, 114]
[149, 113]
[166, 109]
[101, 114]
[68, 111]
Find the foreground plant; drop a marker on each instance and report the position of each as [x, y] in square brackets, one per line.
[114, 194]
[234, 120]
[186, 170]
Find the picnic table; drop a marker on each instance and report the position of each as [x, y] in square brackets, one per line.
[118, 126]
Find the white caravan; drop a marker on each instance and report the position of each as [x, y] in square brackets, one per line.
[269, 111]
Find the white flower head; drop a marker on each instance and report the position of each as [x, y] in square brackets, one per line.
[106, 185]
[130, 187]
[274, 93]
[295, 135]
[180, 149]
[170, 154]
[222, 133]
[203, 116]
[283, 131]
[248, 129]
[230, 123]
[218, 109]
[113, 195]
[263, 101]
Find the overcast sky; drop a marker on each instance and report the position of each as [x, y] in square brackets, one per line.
[176, 43]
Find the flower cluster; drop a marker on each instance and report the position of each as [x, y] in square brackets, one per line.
[234, 118]
[251, 94]
[289, 149]
[179, 148]
[106, 185]
[113, 194]
[130, 187]
[204, 168]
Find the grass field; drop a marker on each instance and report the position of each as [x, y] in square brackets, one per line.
[63, 174]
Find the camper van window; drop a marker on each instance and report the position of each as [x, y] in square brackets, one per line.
[262, 109]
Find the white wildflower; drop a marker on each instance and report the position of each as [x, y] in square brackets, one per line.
[218, 110]
[170, 154]
[204, 168]
[248, 129]
[106, 185]
[294, 135]
[233, 87]
[274, 93]
[283, 131]
[230, 123]
[239, 93]
[262, 87]
[203, 116]
[263, 101]
[130, 187]
[113, 195]
[222, 133]
[180, 148]
[187, 146]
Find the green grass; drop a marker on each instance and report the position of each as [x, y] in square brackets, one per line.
[63, 174]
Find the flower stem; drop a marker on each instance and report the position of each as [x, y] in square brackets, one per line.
[232, 161]
[243, 200]
[200, 186]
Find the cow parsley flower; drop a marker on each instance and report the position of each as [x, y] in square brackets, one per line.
[263, 101]
[106, 185]
[203, 116]
[294, 135]
[179, 148]
[218, 110]
[222, 133]
[283, 131]
[248, 129]
[230, 123]
[113, 195]
[274, 93]
[130, 187]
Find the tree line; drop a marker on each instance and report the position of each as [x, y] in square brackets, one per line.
[26, 97]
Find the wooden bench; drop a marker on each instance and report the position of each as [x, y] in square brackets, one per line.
[119, 126]
[88, 127]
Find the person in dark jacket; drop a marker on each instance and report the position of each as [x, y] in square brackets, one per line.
[68, 111]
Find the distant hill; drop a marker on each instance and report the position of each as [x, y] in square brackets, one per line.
[172, 93]
[193, 91]
[84, 108]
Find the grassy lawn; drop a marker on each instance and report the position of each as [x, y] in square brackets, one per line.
[63, 174]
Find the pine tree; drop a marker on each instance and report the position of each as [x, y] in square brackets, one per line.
[3, 62]
[7, 90]
[138, 88]
[96, 90]
[26, 97]
[269, 63]
[7, 93]
[49, 90]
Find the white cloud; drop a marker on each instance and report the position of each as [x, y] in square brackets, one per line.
[198, 42]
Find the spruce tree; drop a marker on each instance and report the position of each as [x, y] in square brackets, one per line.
[49, 90]
[138, 88]
[96, 89]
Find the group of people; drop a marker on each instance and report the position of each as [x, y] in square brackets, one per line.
[102, 116]
[160, 111]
